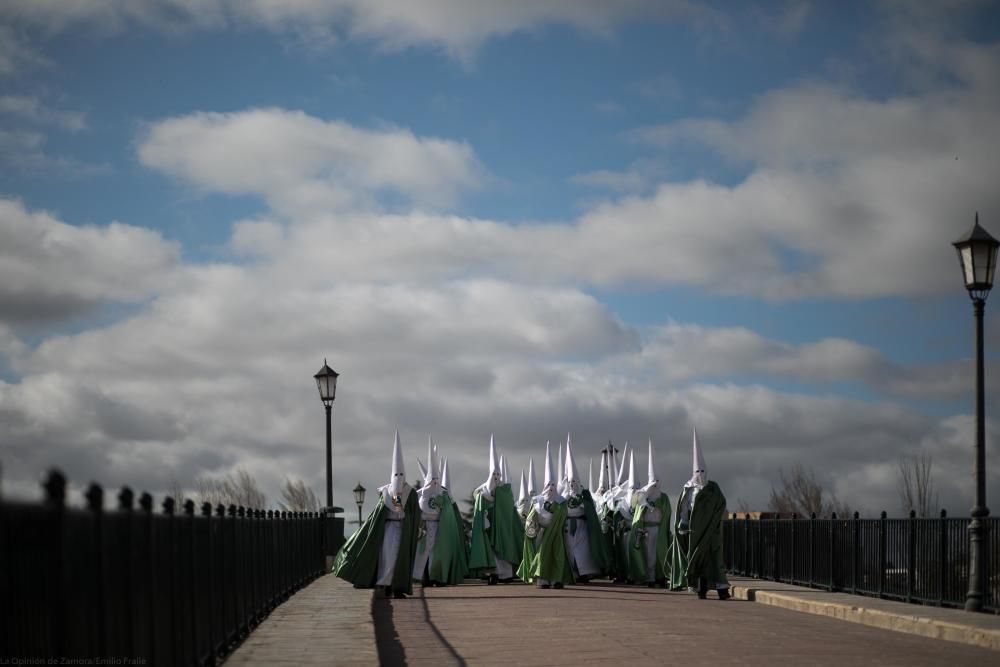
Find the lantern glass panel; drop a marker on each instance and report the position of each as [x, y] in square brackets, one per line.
[967, 265]
[981, 253]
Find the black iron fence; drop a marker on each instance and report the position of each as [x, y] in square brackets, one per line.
[924, 561]
[169, 587]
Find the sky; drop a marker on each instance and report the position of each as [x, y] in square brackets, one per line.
[619, 221]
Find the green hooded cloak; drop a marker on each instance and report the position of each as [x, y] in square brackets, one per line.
[638, 571]
[357, 560]
[697, 552]
[449, 561]
[548, 559]
[504, 537]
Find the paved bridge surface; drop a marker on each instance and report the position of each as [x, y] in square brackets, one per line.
[330, 622]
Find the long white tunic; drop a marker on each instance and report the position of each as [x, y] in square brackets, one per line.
[430, 513]
[391, 536]
[577, 541]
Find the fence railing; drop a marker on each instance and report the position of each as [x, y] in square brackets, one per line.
[923, 561]
[169, 587]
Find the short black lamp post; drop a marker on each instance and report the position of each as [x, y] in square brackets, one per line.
[977, 251]
[326, 381]
[359, 498]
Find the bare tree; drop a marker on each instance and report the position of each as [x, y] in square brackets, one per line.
[176, 491]
[237, 488]
[916, 486]
[800, 492]
[297, 497]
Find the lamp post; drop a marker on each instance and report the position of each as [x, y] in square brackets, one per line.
[359, 498]
[977, 251]
[326, 382]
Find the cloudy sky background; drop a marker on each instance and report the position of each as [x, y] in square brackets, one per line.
[619, 220]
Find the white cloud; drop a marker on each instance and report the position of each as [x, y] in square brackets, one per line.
[31, 109]
[16, 56]
[458, 27]
[50, 270]
[302, 164]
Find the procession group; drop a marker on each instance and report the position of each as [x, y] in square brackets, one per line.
[562, 534]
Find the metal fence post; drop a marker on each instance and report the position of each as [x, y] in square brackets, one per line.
[812, 547]
[943, 556]
[794, 521]
[98, 620]
[855, 551]
[911, 553]
[881, 555]
[746, 545]
[833, 549]
[125, 499]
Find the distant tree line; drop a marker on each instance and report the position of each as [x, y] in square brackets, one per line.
[240, 488]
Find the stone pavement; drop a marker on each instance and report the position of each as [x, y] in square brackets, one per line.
[938, 622]
[330, 622]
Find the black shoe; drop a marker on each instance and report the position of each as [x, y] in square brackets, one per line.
[492, 580]
[650, 584]
[558, 584]
[582, 579]
[399, 595]
[388, 591]
[543, 586]
[724, 594]
[702, 595]
[438, 584]
[702, 588]
[506, 581]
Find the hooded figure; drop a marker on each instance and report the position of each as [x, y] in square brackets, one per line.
[523, 499]
[440, 557]
[586, 547]
[532, 487]
[544, 558]
[620, 509]
[696, 553]
[497, 533]
[382, 550]
[649, 536]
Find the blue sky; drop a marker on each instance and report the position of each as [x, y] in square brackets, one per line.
[643, 217]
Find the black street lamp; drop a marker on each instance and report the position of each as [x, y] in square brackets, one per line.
[326, 381]
[359, 498]
[977, 251]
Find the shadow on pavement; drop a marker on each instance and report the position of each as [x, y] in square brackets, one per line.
[390, 650]
[459, 660]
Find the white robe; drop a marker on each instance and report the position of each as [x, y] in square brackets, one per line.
[392, 535]
[578, 543]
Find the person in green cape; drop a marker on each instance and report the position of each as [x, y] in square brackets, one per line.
[696, 556]
[544, 559]
[619, 519]
[381, 552]
[649, 536]
[440, 557]
[497, 533]
[585, 546]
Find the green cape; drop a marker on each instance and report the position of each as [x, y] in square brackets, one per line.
[505, 535]
[599, 552]
[357, 560]
[549, 560]
[637, 557]
[449, 562]
[698, 553]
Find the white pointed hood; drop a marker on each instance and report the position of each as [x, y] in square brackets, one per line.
[532, 486]
[431, 474]
[397, 478]
[652, 488]
[590, 475]
[602, 481]
[560, 470]
[523, 497]
[620, 476]
[422, 469]
[698, 477]
[496, 475]
[549, 490]
[504, 478]
[444, 473]
[572, 484]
